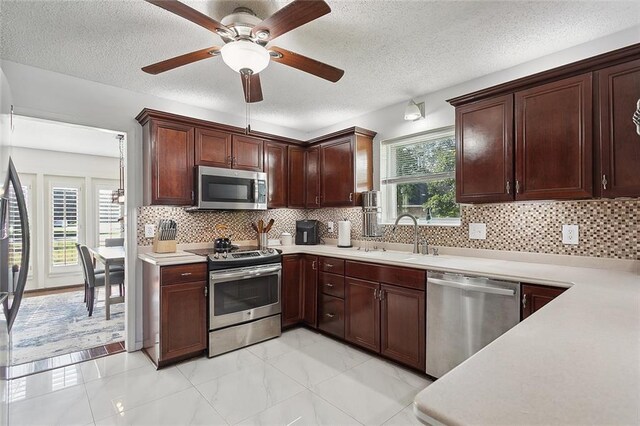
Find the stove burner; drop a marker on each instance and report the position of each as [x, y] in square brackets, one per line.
[238, 257]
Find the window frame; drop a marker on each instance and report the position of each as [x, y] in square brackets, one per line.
[71, 182]
[388, 186]
[103, 184]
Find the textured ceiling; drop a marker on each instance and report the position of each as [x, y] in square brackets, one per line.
[390, 50]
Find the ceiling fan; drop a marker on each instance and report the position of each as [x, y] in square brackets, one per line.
[246, 37]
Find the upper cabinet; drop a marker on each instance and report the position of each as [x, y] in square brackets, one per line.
[553, 140]
[484, 140]
[312, 178]
[619, 148]
[275, 165]
[246, 153]
[168, 163]
[561, 134]
[296, 177]
[346, 168]
[213, 148]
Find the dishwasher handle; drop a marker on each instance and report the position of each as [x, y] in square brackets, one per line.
[472, 287]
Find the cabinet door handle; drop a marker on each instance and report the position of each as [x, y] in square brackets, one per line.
[351, 196]
[604, 181]
[313, 265]
[508, 187]
[229, 159]
[206, 291]
[330, 315]
[317, 200]
[524, 300]
[185, 274]
[382, 293]
[517, 186]
[329, 265]
[329, 285]
[375, 293]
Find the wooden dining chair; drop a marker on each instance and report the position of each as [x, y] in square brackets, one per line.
[95, 278]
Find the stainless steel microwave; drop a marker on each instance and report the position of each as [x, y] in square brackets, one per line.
[228, 189]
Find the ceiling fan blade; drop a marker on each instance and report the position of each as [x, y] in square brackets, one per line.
[292, 16]
[191, 14]
[181, 60]
[305, 64]
[256, 88]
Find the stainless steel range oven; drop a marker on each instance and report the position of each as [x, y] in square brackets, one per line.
[244, 298]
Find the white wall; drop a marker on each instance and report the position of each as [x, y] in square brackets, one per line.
[389, 122]
[37, 168]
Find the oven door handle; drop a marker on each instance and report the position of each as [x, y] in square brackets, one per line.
[245, 273]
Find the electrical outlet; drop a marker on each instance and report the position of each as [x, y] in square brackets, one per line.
[570, 234]
[149, 230]
[478, 231]
[330, 227]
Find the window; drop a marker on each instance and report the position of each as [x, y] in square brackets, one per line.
[64, 216]
[109, 215]
[419, 177]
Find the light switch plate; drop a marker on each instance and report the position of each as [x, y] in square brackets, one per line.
[570, 234]
[149, 230]
[478, 231]
[330, 226]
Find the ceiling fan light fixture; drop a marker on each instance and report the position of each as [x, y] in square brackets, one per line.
[243, 54]
[414, 111]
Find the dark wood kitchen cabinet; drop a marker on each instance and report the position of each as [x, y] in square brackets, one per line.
[175, 311]
[535, 297]
[362, 307]
[275, 165]
[312, 178]
[296, 177]
[484, 151]
[403, 325]
[212, 148]
[246, 153]
[346, 168]
[619, 143]
[385, 311]
[291, 289]
[554, 140]
[168, 162]
[331, 315]
[310, 290]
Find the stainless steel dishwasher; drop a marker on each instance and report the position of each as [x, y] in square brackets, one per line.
[464, 314]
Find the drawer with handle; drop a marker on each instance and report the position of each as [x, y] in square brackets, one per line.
[332, 284]
[331, 264]
[188, 273]
[331, 315]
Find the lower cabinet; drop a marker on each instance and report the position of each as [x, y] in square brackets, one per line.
[331, 315]
[291, 290]
[183, 319]
[387, 319]
[403, 325]
[310, 290]
[535, 297]
[175, 311]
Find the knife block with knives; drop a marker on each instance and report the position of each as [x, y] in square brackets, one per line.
[165, 239]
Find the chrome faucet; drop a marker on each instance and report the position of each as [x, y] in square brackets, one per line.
[415, 229]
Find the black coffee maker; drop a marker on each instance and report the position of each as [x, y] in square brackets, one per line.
[307, 232]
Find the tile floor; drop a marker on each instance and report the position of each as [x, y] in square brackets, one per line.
[302, 377]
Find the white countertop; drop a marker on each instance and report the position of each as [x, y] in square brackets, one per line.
[167, 259]
[576, 361]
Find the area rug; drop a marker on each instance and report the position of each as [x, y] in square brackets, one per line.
[59, 324]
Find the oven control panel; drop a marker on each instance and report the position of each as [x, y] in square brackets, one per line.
[246, 254]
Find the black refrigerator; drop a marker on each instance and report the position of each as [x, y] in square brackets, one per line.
[14, 270]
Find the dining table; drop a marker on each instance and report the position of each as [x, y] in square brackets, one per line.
[109, 256]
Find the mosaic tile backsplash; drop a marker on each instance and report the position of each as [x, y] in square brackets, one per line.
[608, 228]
